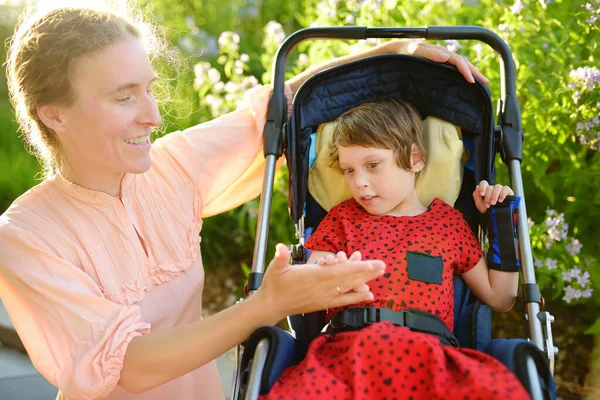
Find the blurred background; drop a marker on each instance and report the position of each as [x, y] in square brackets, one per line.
[227, 47]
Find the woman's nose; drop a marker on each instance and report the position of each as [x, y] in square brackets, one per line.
[150, 114]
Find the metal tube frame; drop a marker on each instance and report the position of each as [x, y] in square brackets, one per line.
[510, 123]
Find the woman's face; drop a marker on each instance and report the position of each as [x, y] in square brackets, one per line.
[107, 128]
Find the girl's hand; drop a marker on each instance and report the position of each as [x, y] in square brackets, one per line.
[341, 257]
[436, 53]
[293, 289]
[486, 196]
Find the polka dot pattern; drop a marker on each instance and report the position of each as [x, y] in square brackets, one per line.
[383, 361]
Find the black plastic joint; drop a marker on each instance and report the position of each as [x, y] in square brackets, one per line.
[531, 293]
[273, 132]
[512, 134]
[254, 281]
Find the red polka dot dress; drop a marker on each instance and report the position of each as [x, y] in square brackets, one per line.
[383, 361]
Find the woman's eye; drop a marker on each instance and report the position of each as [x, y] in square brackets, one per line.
[372, 165]
[347, 171]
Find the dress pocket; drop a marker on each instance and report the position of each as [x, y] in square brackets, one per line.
[424, 268]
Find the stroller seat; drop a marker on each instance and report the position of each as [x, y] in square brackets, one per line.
[437, 91]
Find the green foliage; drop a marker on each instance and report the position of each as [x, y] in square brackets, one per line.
[555, 46]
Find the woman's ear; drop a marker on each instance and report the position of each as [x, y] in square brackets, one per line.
[50, 115]
[417, 160]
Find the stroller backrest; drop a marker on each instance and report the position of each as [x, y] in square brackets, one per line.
[436, 90]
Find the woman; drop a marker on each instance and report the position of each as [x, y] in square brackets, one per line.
[100, 266]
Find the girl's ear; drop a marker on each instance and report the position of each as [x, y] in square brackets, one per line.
[417, 160]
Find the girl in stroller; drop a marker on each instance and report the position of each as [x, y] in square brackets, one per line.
[375, 144]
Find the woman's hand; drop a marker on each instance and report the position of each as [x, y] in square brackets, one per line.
[293, 289]
[435, 53]
[486, 196]
[423, 49]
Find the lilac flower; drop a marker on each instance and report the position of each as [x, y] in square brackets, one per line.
[574, 247]
[349, 20]
[453, 45]
[537, 263]
[557, 228]
[517, 7]
[200, 72]
[551, 264]
[275, 31]
[229, 40]
[571, 294]
[478, 48]
[214, 76]
[586, 77]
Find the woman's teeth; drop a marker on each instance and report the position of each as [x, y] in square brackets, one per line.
[139, 140]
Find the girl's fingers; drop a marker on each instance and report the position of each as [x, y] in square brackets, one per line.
[341, 256]
[356, 256]
[496, 190]
[506, 191]
[362, 288]
[483, 185]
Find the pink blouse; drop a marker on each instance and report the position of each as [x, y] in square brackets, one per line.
[82, 273]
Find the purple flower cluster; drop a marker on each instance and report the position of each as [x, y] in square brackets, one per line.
[557, 228]
[577, 284]
[595, 13]
[588, 133]
[583, 79]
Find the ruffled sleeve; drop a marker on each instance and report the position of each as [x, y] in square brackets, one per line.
[74, 336]
[223, 157]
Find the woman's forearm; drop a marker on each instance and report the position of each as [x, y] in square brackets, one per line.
[159, 357]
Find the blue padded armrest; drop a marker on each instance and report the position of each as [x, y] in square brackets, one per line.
[281, 355]
[513, 353]
[472, 322]
[474, 328]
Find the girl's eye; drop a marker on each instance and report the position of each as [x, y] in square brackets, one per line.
[347, 171]
[372, 165]
[123, 99]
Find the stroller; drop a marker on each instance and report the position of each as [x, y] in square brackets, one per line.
[441, 92]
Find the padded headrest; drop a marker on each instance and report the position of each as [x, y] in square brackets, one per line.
[441, 177]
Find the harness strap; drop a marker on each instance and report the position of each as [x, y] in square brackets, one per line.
[358, 317]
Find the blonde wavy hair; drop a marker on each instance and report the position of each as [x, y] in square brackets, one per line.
[40, 59]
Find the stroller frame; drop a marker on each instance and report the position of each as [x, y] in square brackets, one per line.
[508, 137]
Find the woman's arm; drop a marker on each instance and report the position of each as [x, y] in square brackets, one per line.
[157, 358]
[416, 48]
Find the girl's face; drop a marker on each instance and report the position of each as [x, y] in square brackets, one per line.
[106, 131]
[376, 181]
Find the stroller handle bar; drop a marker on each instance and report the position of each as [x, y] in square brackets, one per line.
[509, 121]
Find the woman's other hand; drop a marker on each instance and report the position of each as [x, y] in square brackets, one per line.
[293, 289]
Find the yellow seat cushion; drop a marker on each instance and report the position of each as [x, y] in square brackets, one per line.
[441, 177]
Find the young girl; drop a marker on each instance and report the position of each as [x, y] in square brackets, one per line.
[379, 150]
